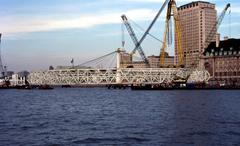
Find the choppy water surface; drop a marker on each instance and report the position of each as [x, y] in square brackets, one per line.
[98, 116]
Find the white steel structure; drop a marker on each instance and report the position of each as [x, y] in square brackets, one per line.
[115, 76]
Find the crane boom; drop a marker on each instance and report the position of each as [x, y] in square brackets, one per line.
[172, 8]
[215, 27]
[134, 39]
[150, 26]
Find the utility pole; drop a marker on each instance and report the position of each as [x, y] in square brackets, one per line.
[1, 65]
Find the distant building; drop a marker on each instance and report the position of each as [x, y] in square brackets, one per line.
[222, 60]
[71, 67]
[135, 64]
[127, 63]
[10, 73]
[154, 61]
[196, 19]
[125, 58]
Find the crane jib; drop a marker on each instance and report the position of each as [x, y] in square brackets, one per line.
[134, 39]
[151, 25]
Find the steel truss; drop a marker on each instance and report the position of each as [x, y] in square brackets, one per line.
[109, 76]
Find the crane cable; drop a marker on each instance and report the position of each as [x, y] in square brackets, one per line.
[99, 58]
[113, 60]
[140, 28]
[108, 63]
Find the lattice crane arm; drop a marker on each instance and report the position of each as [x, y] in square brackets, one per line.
[215, 27]
[134, 39]
[151, 25]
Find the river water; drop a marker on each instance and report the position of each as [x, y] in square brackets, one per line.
[98, 116]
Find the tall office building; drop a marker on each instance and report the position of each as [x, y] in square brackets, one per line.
[196, 20]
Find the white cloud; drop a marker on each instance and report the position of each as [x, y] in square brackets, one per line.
[24, 25]
[12, 25]
[234, 9]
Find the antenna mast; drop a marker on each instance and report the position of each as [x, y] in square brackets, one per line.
[1, 65]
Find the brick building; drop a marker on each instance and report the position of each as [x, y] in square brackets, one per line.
[154, 61]
[127, 63]
[223, 61]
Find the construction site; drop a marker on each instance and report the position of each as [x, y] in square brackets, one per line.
[201, 59]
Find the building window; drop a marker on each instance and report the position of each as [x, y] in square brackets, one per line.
[234, 73]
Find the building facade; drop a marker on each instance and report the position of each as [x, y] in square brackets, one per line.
[223, 62]
[126, 61]
[197, 20]
[154, 61]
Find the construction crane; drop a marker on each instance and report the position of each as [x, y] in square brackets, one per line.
[215, 27]
[135, 40]
[150, 26]
[172, 11]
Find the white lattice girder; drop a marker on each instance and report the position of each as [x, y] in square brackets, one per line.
[127, 76]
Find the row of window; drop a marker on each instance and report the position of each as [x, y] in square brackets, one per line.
[195, 5]
[230, 62]
[227, 73]
[221, 53]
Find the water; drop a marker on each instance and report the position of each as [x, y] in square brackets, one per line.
[98, 116]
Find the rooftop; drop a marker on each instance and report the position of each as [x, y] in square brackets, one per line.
[224, 46]
[166, 56]
[193, 4]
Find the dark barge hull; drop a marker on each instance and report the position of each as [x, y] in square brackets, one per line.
[150, 87]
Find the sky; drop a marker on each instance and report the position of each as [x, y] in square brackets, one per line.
[40, 33]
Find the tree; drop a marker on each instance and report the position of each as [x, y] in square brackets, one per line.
[51, 68]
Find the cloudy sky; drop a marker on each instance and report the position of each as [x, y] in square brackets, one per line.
[39, 33]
